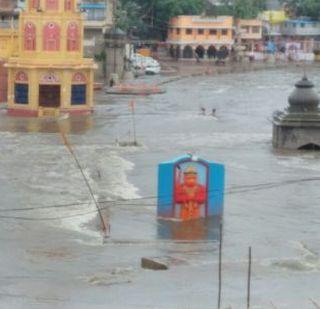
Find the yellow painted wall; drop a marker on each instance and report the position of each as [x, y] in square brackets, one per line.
[40, 21]
[222, 26]
[274, 17]
[65, 81]
[246, 27]
[8, 43]
[42, 7]
[62, 64]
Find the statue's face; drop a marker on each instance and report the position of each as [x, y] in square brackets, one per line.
[190, 180]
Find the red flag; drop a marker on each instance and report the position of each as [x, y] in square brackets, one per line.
[132, 105]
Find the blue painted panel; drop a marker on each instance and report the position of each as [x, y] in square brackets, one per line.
[271, 47]
[165, 189]
[216, 189]
[78, 95]
[21, 93]
[99, 5]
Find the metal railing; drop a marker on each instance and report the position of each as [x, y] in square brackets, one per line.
[8, 24]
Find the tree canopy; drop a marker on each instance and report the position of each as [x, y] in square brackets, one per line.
[151, 17]
[310, 8]
[238, 8]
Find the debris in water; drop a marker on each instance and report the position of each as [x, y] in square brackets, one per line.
[154, 264]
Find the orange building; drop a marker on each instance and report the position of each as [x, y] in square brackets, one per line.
[249, 33]
[191, 36]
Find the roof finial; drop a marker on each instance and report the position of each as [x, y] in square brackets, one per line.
[305, 69]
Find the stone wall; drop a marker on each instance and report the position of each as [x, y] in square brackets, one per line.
[293, 138]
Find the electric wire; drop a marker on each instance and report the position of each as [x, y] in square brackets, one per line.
[104, 224]
[122, 202]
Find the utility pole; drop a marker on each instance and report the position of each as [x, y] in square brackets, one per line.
[249, 278]
[104, 224]
[220, 267]
[132, 106]
[114, 27]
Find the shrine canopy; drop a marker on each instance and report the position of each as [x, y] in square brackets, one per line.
[190, 188]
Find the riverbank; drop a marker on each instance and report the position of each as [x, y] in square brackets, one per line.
[177, 70]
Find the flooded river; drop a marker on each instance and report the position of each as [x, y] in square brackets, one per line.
[52, 254]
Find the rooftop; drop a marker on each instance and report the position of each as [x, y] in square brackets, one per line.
[8, 6]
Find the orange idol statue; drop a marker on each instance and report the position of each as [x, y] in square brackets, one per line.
[190, 195]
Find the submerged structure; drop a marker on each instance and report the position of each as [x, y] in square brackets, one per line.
[190, 188]
[49, 74]
[298, 127]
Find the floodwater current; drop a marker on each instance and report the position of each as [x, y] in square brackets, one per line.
[52, 254]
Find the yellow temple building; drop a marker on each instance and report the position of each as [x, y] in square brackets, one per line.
[8, 48]
[50, 74]
[8, 42]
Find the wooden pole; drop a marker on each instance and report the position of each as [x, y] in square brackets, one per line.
[134, 123]
[315, 303]
[249, 278]
[220, 267]
[105, 226]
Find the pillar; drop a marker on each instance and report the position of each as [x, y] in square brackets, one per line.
[66, 77]
[90, 90]
[33, 76]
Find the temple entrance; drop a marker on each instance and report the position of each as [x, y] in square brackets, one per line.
[310, 146]
[49, 96]
[200, 51]
[187, 52]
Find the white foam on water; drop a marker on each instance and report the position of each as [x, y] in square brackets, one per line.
[224, 139]
[306, 261]
[195, 116]
[219, 90]
[114, 170]
[305, 162]
[51, 177]
[118, 184]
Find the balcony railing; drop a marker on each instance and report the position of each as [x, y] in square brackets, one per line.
[7, 24]
[94, 11]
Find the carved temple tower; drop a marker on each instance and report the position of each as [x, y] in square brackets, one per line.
[50, 73]
[298, 126]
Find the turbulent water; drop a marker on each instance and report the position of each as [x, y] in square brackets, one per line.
[53, 257]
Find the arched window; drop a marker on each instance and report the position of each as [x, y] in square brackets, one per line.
[29, 36]
[223, 52]
[51, 37]
[200, 51]
[52, 5]
[212, 52]
[68, 4]
[34, 4]
[73, 37]
[187, 52]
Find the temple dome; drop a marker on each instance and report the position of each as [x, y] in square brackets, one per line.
[304, 99]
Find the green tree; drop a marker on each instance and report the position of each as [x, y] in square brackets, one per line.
[239, 8]
[151, 17]
[309, 8]
[128, 16]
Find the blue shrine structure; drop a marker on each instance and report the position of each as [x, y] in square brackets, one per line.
[190, 188]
